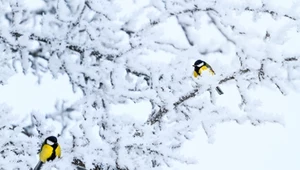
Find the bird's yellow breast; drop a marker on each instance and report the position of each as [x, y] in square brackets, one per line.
[195, 74]
[47, 151]
[58, 151]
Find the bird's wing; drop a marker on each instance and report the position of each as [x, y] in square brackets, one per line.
[211, 69]
[58, 151]
[46, 152]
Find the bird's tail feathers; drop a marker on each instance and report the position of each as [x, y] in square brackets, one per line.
[218, 89]
[38, 166]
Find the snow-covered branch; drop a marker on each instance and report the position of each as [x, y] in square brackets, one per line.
[117, 55]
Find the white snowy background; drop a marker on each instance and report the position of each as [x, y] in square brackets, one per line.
[265, 147]
[235, 146]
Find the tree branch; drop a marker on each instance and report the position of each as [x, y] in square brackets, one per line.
[272, 13]
[162, 111]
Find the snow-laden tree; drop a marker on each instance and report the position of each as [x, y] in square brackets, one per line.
[121, 51]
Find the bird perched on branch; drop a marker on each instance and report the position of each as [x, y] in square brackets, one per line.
[201, 66]
[50, 149]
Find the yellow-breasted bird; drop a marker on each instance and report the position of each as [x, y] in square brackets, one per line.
[50, 149]
[199, 67]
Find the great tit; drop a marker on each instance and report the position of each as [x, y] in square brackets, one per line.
[49, 151]
[201, 66]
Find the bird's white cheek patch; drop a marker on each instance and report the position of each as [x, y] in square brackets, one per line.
[201, 64]
[49, 142]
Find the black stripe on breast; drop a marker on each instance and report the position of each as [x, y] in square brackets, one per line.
[53, 155]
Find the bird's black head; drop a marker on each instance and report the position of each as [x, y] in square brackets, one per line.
[199, 63]
[51, 140]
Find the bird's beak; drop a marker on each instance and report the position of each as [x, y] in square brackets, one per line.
[193, 65]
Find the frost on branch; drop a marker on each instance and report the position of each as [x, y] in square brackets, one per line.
[115, 54]
[16, 150]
